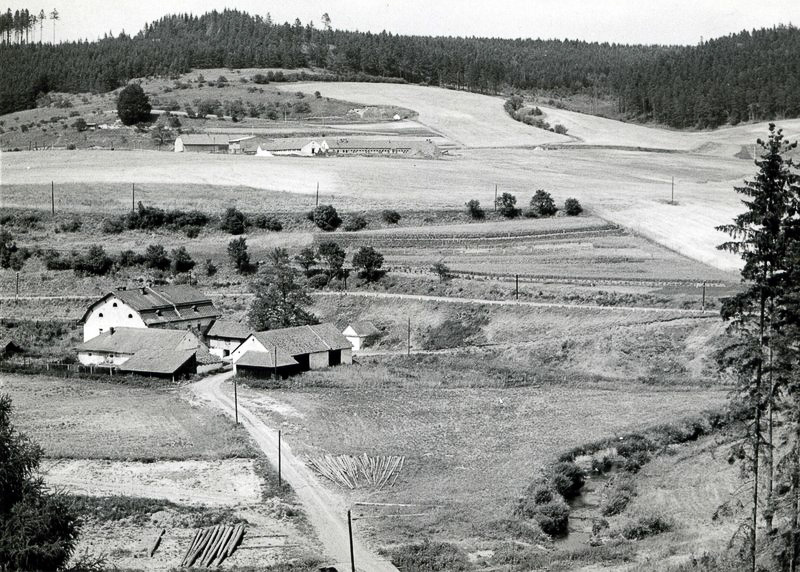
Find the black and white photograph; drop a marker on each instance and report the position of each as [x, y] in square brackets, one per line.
[400, 286]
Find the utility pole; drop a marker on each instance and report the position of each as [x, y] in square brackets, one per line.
[672, 199]
[280, 481]
[495, 197]
[133, 197]
[275, 361]
[350, 532]
[16, 292]
[316, 204]
[52, 198]
[516, 281]
[408, 337]
[235, 401]
[704, 295]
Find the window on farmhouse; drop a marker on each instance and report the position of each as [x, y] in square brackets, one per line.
[100, 314]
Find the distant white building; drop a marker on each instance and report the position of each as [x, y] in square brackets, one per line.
[201, 143]
[225, 336]
[291, 146]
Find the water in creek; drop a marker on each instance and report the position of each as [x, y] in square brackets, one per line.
[584, 509]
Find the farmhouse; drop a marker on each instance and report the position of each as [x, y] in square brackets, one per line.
[239, 144]
[9, 347]
[357, 332]
[152, 350]
[201, 143]
[177, 307]
[225, 336]
[290, 350]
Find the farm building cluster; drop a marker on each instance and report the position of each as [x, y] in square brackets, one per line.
[301, 146]
[176, 331]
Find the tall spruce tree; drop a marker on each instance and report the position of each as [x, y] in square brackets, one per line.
[761, 237]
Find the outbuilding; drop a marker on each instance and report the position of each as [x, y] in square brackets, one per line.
[311, 347]
[117, 346]
[359, 332]
[201, 143]
[225, 336]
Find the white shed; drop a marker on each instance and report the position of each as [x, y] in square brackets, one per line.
[357, 332]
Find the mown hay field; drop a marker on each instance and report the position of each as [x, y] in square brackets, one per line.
[83, 419]
[469, 451]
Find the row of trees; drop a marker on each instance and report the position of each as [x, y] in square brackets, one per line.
[763, 355]
[22, 23]
[541, 205]
[750, 75]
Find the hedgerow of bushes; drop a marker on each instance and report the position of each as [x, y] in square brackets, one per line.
[545, 500]
[96, 262]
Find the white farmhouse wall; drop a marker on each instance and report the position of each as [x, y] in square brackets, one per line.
[178, 145]
[113, 313]
[347, 357]
[355, 341]
[250, 344]
[219, 347]
[102, 358]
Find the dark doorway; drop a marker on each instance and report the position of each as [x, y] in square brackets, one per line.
[334, 357]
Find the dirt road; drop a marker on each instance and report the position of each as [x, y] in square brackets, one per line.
[327, 514]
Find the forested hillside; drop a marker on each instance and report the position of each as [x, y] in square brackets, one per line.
[751, 75]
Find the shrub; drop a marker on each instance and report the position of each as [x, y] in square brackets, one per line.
[560, 129]
[390, 216]
[552, 517]
[368, 262]
[72, 225]
[114, 225]
[318, 281]
[326, 218]
[572, 207]
[181, 260]
[542, 495]
[268, 222]
[645, 526]
[567, 478]
[80, 124]
[239, 257]
[129, 258]
[542, 204]
[155, 257]
[431, 557]
[234, 221]
[507, 205]
[192, 231]
[441, 270]
[355, 223]
[211, 268]
[70, 146]
[474, 210]
[95, 262]
[621, 490]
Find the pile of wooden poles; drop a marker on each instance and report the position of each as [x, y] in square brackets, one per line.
[354, 471]
[212, 545]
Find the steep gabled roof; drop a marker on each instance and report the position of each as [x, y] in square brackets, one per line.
[266, 359]
[230, 330]
[364, 329]
[158, 361]
[304, 339]
[163, 304]
[133, 340]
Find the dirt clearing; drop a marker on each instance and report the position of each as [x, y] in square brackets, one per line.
[211, 483]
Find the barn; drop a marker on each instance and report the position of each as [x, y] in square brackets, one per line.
[201, 143]
[364, 146]
[177, 307]
[291, 146]
[225, 336]
[309, 347]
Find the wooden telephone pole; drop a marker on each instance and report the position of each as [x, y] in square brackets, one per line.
[52, 198]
